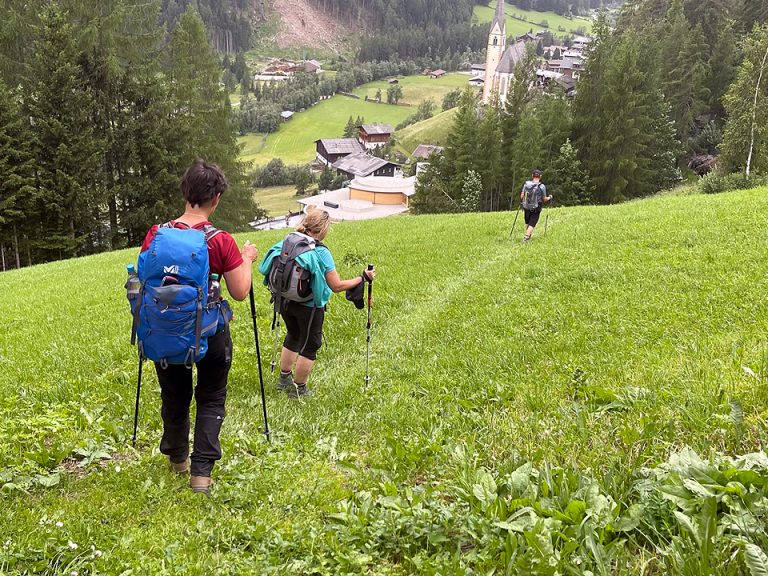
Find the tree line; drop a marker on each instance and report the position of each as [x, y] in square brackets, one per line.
[100, 113]
[673, 81]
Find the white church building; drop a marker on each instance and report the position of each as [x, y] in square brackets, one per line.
[501, 60]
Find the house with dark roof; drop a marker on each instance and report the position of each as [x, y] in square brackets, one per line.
[362, 165]
[374, 135]
[439, 73]
[424, 151]
[329, 150]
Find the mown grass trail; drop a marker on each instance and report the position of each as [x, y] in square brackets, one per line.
[518, 393]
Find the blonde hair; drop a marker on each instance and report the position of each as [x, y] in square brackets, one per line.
[315, 223]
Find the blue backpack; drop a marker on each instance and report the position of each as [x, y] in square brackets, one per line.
[172, 316]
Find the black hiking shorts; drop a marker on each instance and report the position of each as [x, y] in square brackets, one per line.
[532, 216]
[304, 330]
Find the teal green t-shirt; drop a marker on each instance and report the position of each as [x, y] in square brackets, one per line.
[317, 261]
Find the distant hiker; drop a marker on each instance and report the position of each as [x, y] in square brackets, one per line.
[301, 274]
[532, 200]
[202, 187]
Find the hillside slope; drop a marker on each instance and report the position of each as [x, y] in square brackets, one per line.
[518, 394]
[304, 25]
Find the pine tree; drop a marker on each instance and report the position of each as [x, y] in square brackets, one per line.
[488, 164]
[326, 179]
[66, 147]
[17, 193]
[566, 178]
[723, 67]
[205, 127]
[461, 151]
[350, 129]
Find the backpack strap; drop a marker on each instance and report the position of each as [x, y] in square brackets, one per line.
[210, 232]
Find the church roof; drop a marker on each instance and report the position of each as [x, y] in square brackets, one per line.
[511, 57]
[499, 17]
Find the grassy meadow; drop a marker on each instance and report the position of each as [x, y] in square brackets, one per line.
[277, 200]
[558, 25]
[576, 405]
[434, 130]
[294, 140]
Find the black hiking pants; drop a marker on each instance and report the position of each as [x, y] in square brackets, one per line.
[210, 393]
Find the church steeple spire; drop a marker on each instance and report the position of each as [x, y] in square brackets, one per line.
[500, 17]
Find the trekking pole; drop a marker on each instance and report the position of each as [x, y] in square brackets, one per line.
[368, 330]
[546, 222]
[515, 222]
[258, 361]
[138, 395]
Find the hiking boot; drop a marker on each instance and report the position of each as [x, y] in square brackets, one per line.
[526, 239]
[201, 484]
[299, 391]
[285, 382]
[179, 467]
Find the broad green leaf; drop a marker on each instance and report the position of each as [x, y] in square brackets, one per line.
[756, 560]
[485, 489]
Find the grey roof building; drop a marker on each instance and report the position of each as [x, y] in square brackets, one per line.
[329, 150]
[363, 164]
[426, 150]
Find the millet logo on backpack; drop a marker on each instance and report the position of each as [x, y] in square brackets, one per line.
[171, 269]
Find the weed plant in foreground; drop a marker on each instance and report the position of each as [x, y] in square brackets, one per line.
[593, 402]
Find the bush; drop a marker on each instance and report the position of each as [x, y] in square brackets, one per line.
[715, 183]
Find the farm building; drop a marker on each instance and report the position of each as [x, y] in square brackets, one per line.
[374, 135]
[366, 198]
[329, 150]
[362, 165]
[312, 67]
[424, 151]
[286, 114]
[439, 73]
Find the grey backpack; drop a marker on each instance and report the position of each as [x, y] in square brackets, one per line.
[531, 194]
[287, 280]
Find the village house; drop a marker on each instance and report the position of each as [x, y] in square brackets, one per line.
[424, 151]
[362, 165]
[439, 73]
[329, 150]
[374, 135]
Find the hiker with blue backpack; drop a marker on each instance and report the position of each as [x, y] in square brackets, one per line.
[301, 275]
[532, 199]
[181, 319]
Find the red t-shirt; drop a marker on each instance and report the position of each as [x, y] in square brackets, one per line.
[223, 254]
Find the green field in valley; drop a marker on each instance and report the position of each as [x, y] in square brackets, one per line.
[277, 200]
[416, 89]
[520, 21]
[294, 140]
[576, 405]
[434, 130]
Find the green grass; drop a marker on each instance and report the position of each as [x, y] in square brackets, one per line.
[516, 27]
[277, 200]
[435, 130]
[416, 89]
[518, 392]
[294, 140]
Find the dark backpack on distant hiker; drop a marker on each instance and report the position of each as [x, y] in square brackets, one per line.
[531, 195]
[172, 316]
[287, 280]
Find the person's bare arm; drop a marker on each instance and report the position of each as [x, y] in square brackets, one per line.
[239, 280]
[336, 284]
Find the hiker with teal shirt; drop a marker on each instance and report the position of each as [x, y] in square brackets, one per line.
[304, 319]
[532, 199]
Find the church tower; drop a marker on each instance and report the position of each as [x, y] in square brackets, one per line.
[497, 43]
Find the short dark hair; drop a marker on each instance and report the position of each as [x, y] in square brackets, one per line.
[202, 182]
[537, 173]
